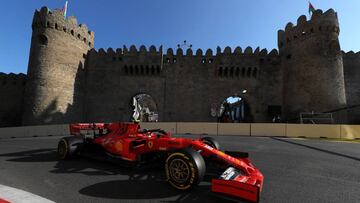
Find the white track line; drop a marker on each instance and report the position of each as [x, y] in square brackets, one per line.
[14, 195]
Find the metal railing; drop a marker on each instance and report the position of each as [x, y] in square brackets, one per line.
[316, 118]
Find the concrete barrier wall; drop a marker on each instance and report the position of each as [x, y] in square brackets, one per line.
[312, 131]
[268, 129]
[33, 131]
[197, 128]
[350, 131]
[234, 129]
[244, 129]
[12, 132]
[169, 127]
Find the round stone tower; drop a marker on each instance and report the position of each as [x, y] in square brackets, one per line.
[57, 55]
[312, 65]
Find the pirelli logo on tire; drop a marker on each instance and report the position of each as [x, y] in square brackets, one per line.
[181, 170]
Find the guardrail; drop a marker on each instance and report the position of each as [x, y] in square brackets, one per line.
[237, 129]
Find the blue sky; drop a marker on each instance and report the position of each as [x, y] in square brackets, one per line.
[203, 23]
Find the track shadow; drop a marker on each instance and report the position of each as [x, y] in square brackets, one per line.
[145, 182]
[147, 187]
[318, 149]
[38, 155]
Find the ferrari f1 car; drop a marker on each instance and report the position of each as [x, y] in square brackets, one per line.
[186, 160]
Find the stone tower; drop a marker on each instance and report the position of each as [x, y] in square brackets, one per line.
[312, 65]
[57, 55]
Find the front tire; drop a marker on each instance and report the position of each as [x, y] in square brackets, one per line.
[211, 142]
[68, 147]
[185, 168]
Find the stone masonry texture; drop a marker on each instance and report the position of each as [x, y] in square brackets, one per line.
[69, 81]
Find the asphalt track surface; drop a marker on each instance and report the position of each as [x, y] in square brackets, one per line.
[295, 170]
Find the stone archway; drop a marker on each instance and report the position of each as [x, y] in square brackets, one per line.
[234, 109]
[146, 107]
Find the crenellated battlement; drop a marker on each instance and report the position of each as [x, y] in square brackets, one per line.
[143, 61]
[12, 80]
[350, 54]
[55, 20]
[179, 52]
[319, 23]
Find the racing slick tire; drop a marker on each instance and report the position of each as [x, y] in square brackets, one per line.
[211, 142]
[69, 146]
[185, 168]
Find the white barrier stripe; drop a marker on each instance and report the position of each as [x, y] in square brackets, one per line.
[14, 195]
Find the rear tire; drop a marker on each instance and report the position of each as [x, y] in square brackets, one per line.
[185, 168]
[69, 146]
[211, 142]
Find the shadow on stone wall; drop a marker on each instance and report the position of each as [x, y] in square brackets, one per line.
[74, 112]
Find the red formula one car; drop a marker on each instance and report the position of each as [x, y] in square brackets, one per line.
[186, 160]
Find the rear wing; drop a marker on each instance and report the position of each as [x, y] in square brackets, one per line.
[103, 128]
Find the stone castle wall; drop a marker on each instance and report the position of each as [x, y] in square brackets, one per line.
[352, 84]
[183, 85]
[69, 81]
[11, 98]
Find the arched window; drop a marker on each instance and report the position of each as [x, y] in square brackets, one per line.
[237, 72]
[126, 69]
[142, 70]
[226, 72]
[48, 24]
[248, 72]
[158, 69]
[72, 32]
[243, 72]
[232, 71]
[152, 70]
[43, 40]
[220, 71]
[254, 72]
[131, 70]
[147, 70]
[136, 70]
[79, 36]
[56, 26]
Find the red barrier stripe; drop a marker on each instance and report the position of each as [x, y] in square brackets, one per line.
[3, 201]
